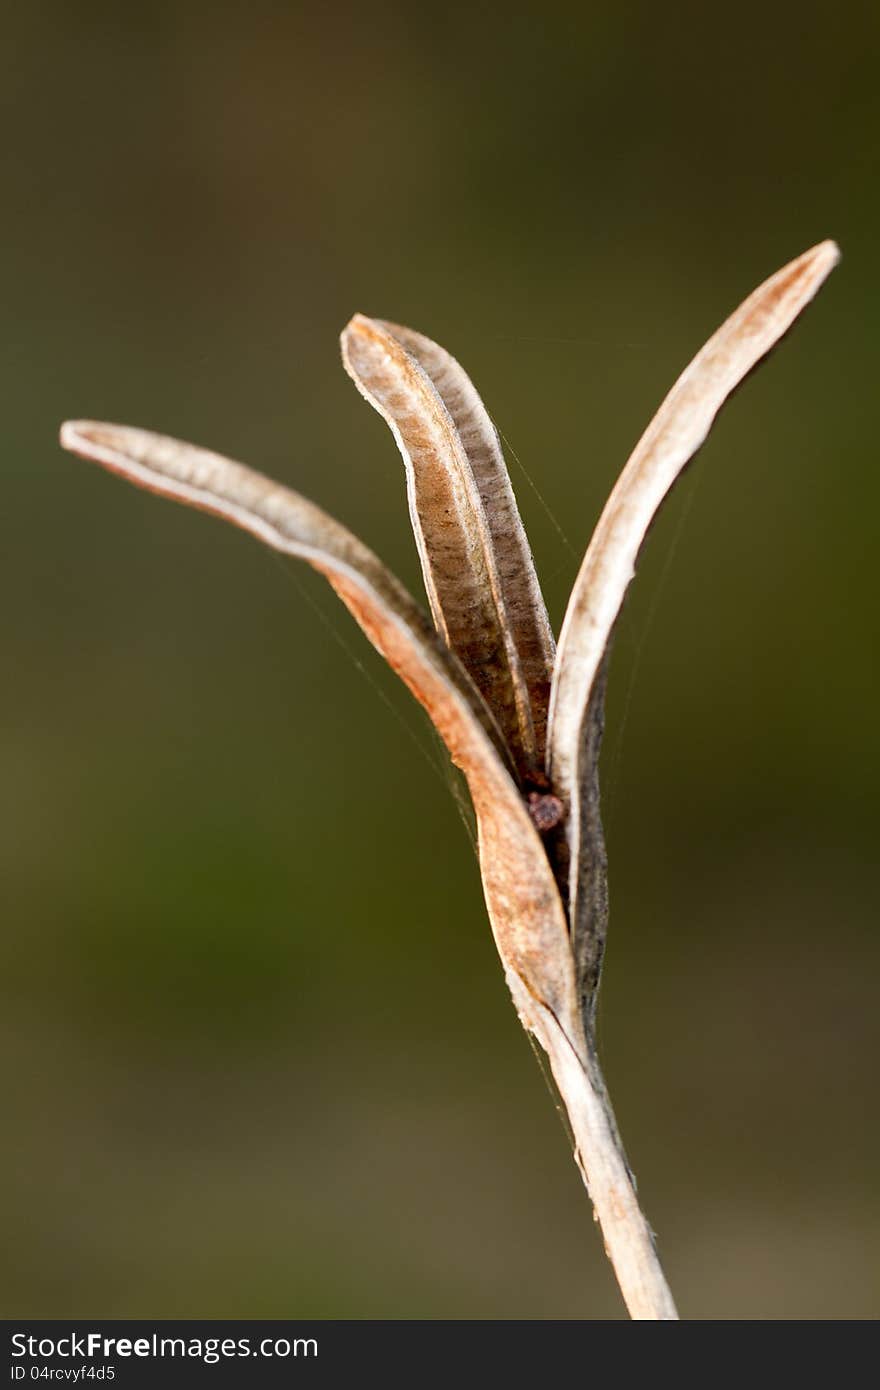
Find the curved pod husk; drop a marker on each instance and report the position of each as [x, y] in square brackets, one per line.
[483, 674]
[478, 569]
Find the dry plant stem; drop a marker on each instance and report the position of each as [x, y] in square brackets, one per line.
[628, 1239]
[483, 675]
[524, 906]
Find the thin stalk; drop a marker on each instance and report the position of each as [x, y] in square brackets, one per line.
[629, 1240]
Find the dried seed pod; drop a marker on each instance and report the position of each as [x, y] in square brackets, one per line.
[521, 893]
[489, 706]
[670, 441]
[479, 574]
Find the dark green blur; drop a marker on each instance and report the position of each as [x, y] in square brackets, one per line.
[258, 1058]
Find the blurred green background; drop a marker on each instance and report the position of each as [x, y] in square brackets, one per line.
[258, 1055]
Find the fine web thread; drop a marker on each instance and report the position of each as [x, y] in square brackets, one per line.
[440, 767]
[610, 779]
[610, 782]
[547, 1077]
[453, 779]
[544, 504]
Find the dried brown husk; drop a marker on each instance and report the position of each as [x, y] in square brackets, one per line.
[669, 443]
[478, 569]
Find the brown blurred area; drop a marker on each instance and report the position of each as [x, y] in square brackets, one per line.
[257, 1054]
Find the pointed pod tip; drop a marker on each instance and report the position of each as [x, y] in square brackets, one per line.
[787, 292]
[68, 433]
[359, 323]
[382, 331]
[90, 437]
[77, 435]
[136, 454]
[829, 247]
[361, 334]
[814, 266]
[824, 256]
